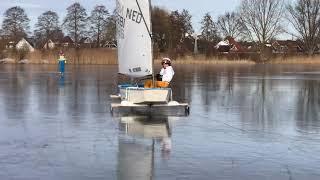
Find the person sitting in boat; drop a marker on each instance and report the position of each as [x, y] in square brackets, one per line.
[165, 76]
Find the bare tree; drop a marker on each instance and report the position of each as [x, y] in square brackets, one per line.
[208, 29]
[75, 22]
[305, 18]
[16, 23]
[109, 32]
[230, 24]
[262, 18]
[99, 18]
[47, 26]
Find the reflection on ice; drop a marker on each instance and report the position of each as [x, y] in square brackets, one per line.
[145, 127]
[137, 145]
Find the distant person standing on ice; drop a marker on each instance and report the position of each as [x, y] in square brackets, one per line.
[61, 63]
[165, 76]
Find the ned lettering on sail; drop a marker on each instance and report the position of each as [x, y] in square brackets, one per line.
[123, 14]
[134, 15]
[131, 14]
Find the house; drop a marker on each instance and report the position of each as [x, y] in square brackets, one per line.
[22, 44]
[10, 45]
[230, 45]
[223, 46]
[249, 46]
[241, 46]
[109, 44]
[86, 42]
[286, 46]
[49, 45]
[235, 46]
[67, 42]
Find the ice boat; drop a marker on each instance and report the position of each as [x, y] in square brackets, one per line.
[135, 61]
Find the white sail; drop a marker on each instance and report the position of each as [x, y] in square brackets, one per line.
[133, 36]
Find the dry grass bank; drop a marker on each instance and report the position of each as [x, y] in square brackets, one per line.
[82, 56]
[109, 57]
[297, 60]
[204, 60]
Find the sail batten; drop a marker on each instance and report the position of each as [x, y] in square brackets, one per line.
[133, 37]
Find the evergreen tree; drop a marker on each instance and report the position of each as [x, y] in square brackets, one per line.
[208, 29]
[180, 25]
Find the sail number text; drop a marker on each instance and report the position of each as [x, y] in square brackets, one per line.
[131, 14]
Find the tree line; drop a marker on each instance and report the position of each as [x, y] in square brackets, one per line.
[260, 21]
[77, 24]
[254, 20]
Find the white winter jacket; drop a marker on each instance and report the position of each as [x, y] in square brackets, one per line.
[167, 74]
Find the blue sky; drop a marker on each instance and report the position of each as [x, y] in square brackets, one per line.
[196, 7]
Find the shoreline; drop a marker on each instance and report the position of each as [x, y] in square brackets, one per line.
[186, 60]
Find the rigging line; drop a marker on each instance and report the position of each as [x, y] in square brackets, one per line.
[144, 20]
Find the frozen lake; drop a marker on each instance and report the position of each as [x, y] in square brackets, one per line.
[246, 122]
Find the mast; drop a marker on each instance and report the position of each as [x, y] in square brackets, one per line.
[153, 76]
[150, 34]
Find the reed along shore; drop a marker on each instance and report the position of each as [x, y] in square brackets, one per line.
[104, 56]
